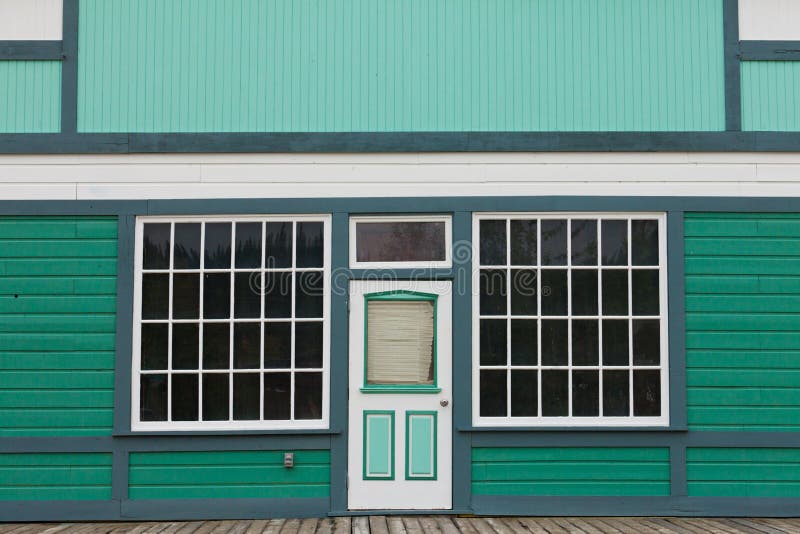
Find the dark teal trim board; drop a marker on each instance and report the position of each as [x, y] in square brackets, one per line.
[69, 67]
[31, 50]
[733, 69]
[70, 142]
[770, 50]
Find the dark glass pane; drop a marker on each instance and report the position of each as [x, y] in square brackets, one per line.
[400, 241]
[218, 246]
[523, 292]
[493, 292]
[554, 242]
[493, 341]
[615, 242]
[246, 396]
[216, 346]
[584, 292]
[523, 342]
[644, 242]
[308, 395]
[555, 393]
[646, 342]
[248, 245]
[246, 345]
[185, 397]
[185, 296]
[154, 346]
[524, 398]
[584, 242]
[279, 245]
[555, 342]
[310, 241]
[308, 345]
[585, 393]
[277, 291]
[156, 247]
[215, 397]
[615, 292]
[493, 243]
[155, 296]
[217, 296]
[616, 393]
[185, 345]
[647, 393]
[493, 394]
[585, 342]
[615, 342]
[247, 295]
[645, 292]
[554, 292]
[153, 395]
[277, 392]
[277, 345]
[523, 244]
[308, 294]
[187, 246]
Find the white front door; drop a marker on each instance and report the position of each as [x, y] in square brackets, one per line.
[400, 423]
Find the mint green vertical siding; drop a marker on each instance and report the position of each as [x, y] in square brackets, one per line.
[57, 324]
[743, 472]
[570, 471]
[30, 96]
[230, 475]
[770, 96]
[401, 65]
[40, 477]
[743, 321]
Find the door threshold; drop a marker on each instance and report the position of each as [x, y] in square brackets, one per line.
[347, 513]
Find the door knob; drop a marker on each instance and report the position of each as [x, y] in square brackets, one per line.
[444, 402]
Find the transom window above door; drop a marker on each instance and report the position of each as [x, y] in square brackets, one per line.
[231, 323]
[570, 320]
[400, 242]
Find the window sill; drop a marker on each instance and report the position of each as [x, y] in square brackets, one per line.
[466, 429]
[266, 432]
[400, 389]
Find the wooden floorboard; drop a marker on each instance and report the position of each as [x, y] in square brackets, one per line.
[422, 524]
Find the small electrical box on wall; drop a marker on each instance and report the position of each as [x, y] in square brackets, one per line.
[288, 460]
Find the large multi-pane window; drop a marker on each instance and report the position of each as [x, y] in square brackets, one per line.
[231, 323]
[570, 319]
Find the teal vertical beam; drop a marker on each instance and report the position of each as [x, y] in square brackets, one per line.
[462, 358]
[733, 71]
[339, 385]
[676, 304]
[677, 470]
[69, 67]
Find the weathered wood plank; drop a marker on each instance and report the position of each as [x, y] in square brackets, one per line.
[274, 526]
[481, 526]
[341, 525]
[395, 525]
[360, 525]
[307, 526]
[325, 526]
[189, 528]
[636, 525]
[446, 525]
[532, 525]
[412, 525]
[377, 525]
[515, 526]
[781, 524]
[429, 525]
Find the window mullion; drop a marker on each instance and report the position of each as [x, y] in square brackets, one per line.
[231, 324]
[294, 289]
[539, 318]
[169, 318]
[509, 283]
[200, 375]
[261, 285]
[630, 318]
[600, 313]
[569, 317]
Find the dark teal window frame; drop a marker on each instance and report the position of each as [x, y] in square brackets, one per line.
[401, 295]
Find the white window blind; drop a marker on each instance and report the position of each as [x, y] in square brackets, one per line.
[400, 342]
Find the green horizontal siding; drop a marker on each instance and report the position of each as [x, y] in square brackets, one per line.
[570, 471]
[770, 99]
[400, 65]
[743, 321]
[77, 476]
[57, 325]
[245, 474]
[733, 472]
[30, 96]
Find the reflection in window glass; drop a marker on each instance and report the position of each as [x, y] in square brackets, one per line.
[584, 339]
[401, 241]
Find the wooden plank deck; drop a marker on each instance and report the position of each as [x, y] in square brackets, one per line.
[425, 524]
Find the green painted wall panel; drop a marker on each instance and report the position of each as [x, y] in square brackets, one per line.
[770, 99]
[76, 476]
[31, 96]
[743, 321]
[57, 325]
[570, 471]
[401, 65]
[743, 472]
[240, 474]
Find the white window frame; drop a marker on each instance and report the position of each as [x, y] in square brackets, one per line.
[569, 421]
[304, 424]
[448, 242]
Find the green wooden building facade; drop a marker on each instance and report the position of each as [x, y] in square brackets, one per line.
[297, 258]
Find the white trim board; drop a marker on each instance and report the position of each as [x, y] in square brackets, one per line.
[30, 20]
[90, 177]
[769, 20]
